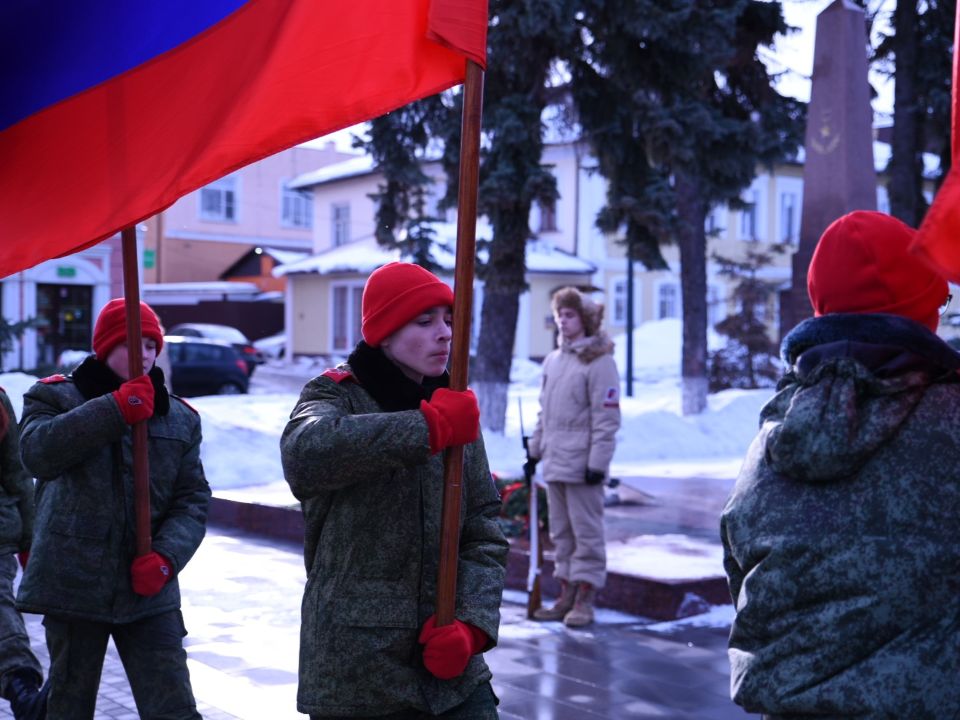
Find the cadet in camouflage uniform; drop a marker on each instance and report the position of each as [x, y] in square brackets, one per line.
[83, 574]
[363, 454]
[20, 671]
[840, 537]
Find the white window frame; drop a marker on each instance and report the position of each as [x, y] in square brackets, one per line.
[789, 217]
[296, 207]
[749, 216]
[226, 190]
[618, 295]
[352, 294]
[659, 299]
[339, 223]
[714, 225]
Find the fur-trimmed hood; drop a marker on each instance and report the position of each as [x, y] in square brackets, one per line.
[588, 349]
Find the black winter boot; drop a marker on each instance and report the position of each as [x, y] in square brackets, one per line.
[27, 701]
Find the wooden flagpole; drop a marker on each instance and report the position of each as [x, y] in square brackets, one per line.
[460, 350]
[141, 467]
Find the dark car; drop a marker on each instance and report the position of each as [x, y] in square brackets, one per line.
[251, 355]
[205, 367]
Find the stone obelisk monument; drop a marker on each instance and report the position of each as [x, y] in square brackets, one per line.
[839, 174]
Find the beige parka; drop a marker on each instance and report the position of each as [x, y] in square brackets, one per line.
[579, 410]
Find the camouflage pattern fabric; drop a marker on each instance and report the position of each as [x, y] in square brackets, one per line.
[16, 531]
[153, 656]
[81, 453]
[841, 540]
[372, 498]
[16, 490]
[15, 652]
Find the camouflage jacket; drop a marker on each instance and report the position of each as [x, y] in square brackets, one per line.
[841, 536]
[372, 498]
[76, 443]
[16, 489]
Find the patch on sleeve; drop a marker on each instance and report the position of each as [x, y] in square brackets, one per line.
[612, 397]
[53, 379]
[197, 412]
[338, 376]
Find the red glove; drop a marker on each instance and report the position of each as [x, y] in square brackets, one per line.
[447, 649]
[150, 573]
[135, 399]
[22, 558]
[452, 417]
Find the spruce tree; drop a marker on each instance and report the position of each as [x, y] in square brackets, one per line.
[399, 142]
[703, 113]
[525, 39]
[749, 358]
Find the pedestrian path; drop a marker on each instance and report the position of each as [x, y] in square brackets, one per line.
[241, 605]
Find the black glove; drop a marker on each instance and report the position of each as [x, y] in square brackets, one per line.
[593, 477]
[530, 467]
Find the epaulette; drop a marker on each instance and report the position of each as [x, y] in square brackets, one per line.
[197, 412]
[338, 376]
[53, 379]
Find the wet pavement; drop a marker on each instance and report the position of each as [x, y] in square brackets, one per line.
[241, 605]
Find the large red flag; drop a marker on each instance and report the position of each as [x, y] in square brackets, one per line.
[112, 110]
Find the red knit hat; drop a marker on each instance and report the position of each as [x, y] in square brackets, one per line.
[111, 329]
[395, 294]
[861, 265]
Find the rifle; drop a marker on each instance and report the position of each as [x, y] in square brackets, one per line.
[535, 563]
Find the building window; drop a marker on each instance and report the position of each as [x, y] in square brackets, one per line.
[668, 301]
[340, 218]
[218, 200]
[620, 302]
[788, 217]
[748, 217]
[346, 316]
[296, 208]
[714, 225]
[548, 216]
[714, 306]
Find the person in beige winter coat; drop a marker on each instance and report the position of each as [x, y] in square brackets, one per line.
[575, 437]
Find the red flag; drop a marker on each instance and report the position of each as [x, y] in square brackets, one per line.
[117, 147]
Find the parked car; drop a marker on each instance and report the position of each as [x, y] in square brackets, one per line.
[250, 354]
[205, 367]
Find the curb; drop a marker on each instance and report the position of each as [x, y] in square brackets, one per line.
[636, 595]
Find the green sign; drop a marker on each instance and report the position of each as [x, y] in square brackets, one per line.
[66, 271]
[149, 258]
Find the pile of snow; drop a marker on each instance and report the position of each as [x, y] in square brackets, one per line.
[272, 346]
[656, 349]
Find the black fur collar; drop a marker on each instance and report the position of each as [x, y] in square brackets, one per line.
[386, 383]
[93, 379]
[872, 328]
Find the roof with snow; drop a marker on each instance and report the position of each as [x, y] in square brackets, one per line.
[355, 167]
[365, 256]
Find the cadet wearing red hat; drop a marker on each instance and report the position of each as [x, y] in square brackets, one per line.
[840, 536]
[83, 574]
[363, 452]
